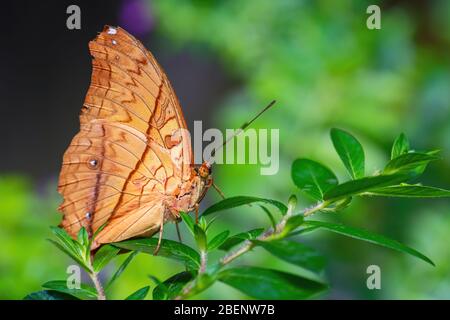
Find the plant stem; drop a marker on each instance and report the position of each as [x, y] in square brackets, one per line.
[203, 261]
[96, 281]
[245, 247]
[98, 286]
[202, 269]
[248, 245]
[309, 211]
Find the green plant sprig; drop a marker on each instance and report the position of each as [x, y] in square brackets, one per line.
[314, 180]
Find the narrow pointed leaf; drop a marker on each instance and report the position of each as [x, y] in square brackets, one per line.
[139, 294]
[294, 252]
[168, 249]
[121, 269]
[188, 221]
[302, 231]
[200, 238]
[83, 238]
[202, 223]
[67, 242]
[408, 163]
[84, 292]
[234, 202]
[218, 240]
[50, 295]
[355, 187]
[239, 238]
[69, 253]
[400, 146]
[368, 236]
[350, 151]
[313, 178]
[270, 216]
[171, 287]
[261, 283]
[104, 255]
[292, 223]
[411, 191]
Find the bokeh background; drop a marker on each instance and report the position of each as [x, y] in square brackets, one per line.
[227, 59]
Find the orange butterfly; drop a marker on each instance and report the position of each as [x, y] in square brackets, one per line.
[130, 168]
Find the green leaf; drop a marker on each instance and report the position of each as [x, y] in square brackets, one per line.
[294, 252]
[172, 287]
[270, 216]
[210, 222]
[312, 178]
[411, 191]
[218, 240]
[188, 221]
[121, 269]
[71, 247]
[355, 187]
[350, 151]
[233, 202]
[302, 231]
[139, 294]
[69, 253]
[50, 295]
[104, 255]
[239, 238]
[293, 223]
[199, 284]
[64, 238]
[340, 204]
[202, 223]
[83, 237]
[263, 283]
[200, 238]
[84, 243]
[408, 163]
[169, 249]
[96, 233]
[85, 291]
[369, 237]
[400, 146]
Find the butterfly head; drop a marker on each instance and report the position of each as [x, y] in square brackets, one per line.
[204, 171]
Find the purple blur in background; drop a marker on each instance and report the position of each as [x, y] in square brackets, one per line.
[136, 17]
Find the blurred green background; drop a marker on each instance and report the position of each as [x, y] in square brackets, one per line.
[325, 69]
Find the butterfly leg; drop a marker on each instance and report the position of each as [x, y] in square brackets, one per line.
[178, 231]
[196, 213]
[218, 190]
[161, 229]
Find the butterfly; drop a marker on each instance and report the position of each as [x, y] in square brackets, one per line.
[130, 168]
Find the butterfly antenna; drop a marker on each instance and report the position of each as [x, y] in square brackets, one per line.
[240, 130]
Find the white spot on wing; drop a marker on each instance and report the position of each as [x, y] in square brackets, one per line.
[112, 30]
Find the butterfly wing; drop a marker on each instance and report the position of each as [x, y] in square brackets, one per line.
[133, 148]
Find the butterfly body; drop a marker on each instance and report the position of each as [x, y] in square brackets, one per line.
[130, 167]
